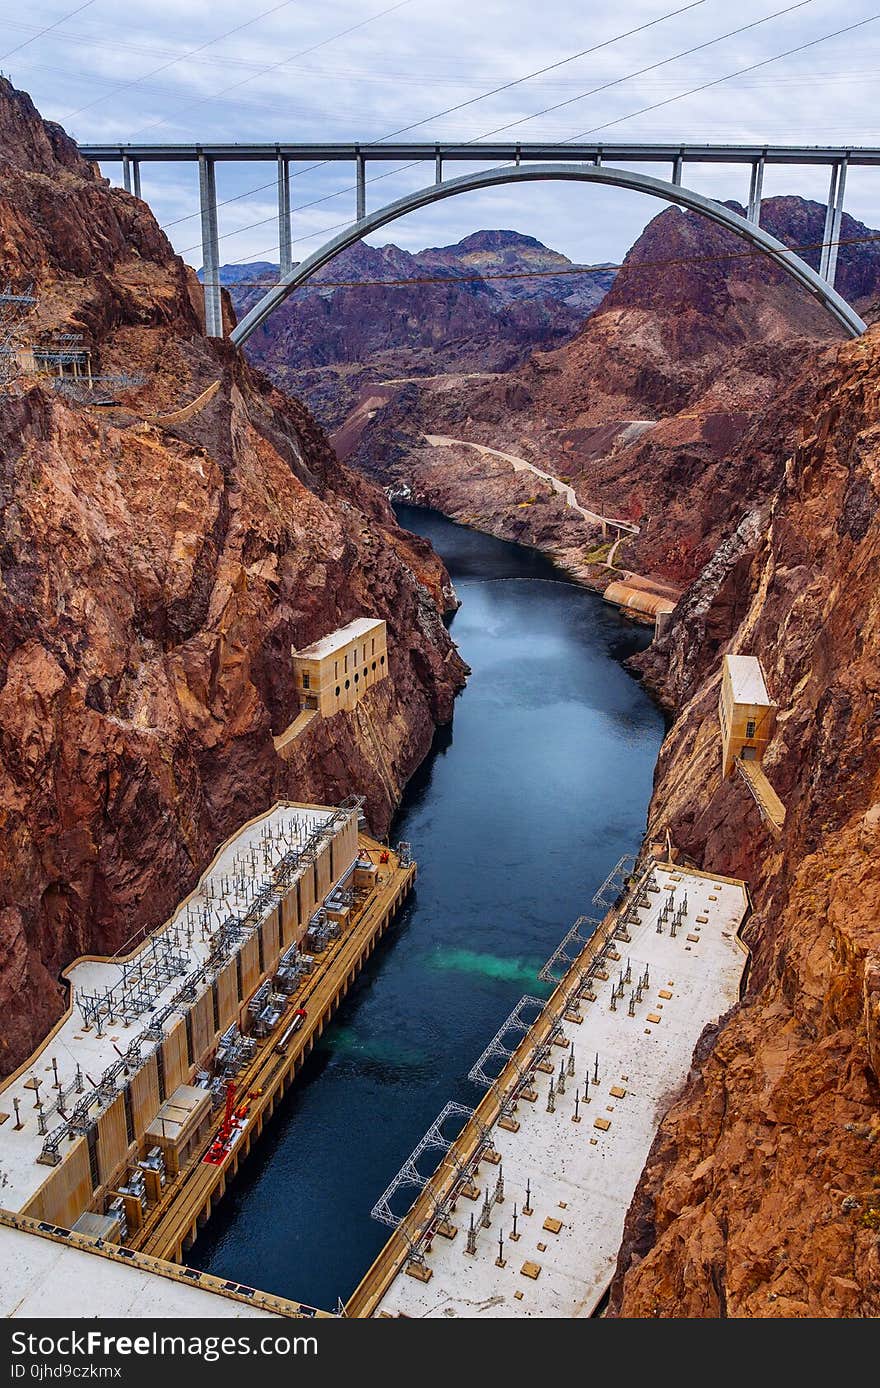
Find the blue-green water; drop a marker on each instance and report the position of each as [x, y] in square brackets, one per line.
[523, 806]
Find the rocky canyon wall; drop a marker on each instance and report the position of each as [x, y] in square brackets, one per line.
[655, 413]
[761, 1196]
[153, 578]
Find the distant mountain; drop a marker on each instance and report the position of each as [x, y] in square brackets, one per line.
[484, 304]
[672, 407]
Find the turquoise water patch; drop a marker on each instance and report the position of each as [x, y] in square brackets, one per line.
[469, 961]
[347, 1041]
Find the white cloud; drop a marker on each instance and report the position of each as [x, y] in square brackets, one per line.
[110, 75]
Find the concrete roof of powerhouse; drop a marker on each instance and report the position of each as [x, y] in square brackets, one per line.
[336, 639]
[747, 680]
[42, 1278]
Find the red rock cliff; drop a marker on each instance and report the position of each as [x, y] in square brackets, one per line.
[153, 578]
[761, 1196]
[655, 412]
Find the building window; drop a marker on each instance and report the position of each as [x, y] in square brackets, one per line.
[94, 1169]
[381, 660]
[215, 999]
[348, 684]
[750, 728]
[306, 681]
[374, 664]
[365, 672]
[373, 646]
[345, 663]
[337, 691]
[356, 676]
[129, 1113]
[190, 1053]
[238, 981]
[160, 1073]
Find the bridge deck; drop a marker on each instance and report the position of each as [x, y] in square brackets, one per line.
[391, 152]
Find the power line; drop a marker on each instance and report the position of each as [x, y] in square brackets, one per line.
[539, 72]
[273, 67]
[47, 30]
[652, 67]
[181, 57]
[801, 48]
[606, 43]
[729, 76]
[261, 188]
[617, 81]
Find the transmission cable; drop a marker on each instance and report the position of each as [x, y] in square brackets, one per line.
[704, 86]
[273, 67]
[48, 29]
[606, 43]
[571, 139]
[181, 57]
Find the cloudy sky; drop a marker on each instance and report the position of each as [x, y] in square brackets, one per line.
[186, 70]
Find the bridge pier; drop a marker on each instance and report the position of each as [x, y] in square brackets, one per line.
[285, 242]
[833, 219]
[361, 164]
[131, 175]
[756, 188]
[210, 248]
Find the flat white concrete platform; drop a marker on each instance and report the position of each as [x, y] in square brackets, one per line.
[41, 1278]
[580, 1174]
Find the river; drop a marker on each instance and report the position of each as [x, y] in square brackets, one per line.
[519, 812]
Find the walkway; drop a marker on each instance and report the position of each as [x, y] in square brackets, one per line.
[520, 465]
[765, 797]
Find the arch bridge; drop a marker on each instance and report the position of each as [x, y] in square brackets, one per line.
[512, 163]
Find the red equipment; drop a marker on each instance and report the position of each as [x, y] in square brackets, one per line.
[226, 1128]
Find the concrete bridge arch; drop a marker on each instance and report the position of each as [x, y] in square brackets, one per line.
[671, 192]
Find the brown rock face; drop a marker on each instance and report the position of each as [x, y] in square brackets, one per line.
[761, 1195]
[656, 412]
[152, 582]
[376, 314]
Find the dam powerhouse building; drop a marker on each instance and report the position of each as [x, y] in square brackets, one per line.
[121, 1130]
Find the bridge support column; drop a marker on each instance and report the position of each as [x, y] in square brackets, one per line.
[136, 171]
[833, 219]
[210, 248]
[284, 234]
[676, 170]
[361, 187]
[756, 189]
[126, 173]
[438, 166]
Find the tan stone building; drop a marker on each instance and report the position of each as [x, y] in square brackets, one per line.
[333, 673]
[745, 710]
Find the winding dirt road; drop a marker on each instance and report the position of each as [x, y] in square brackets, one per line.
[522, 465]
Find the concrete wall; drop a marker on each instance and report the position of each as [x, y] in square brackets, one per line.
[67, 1192]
